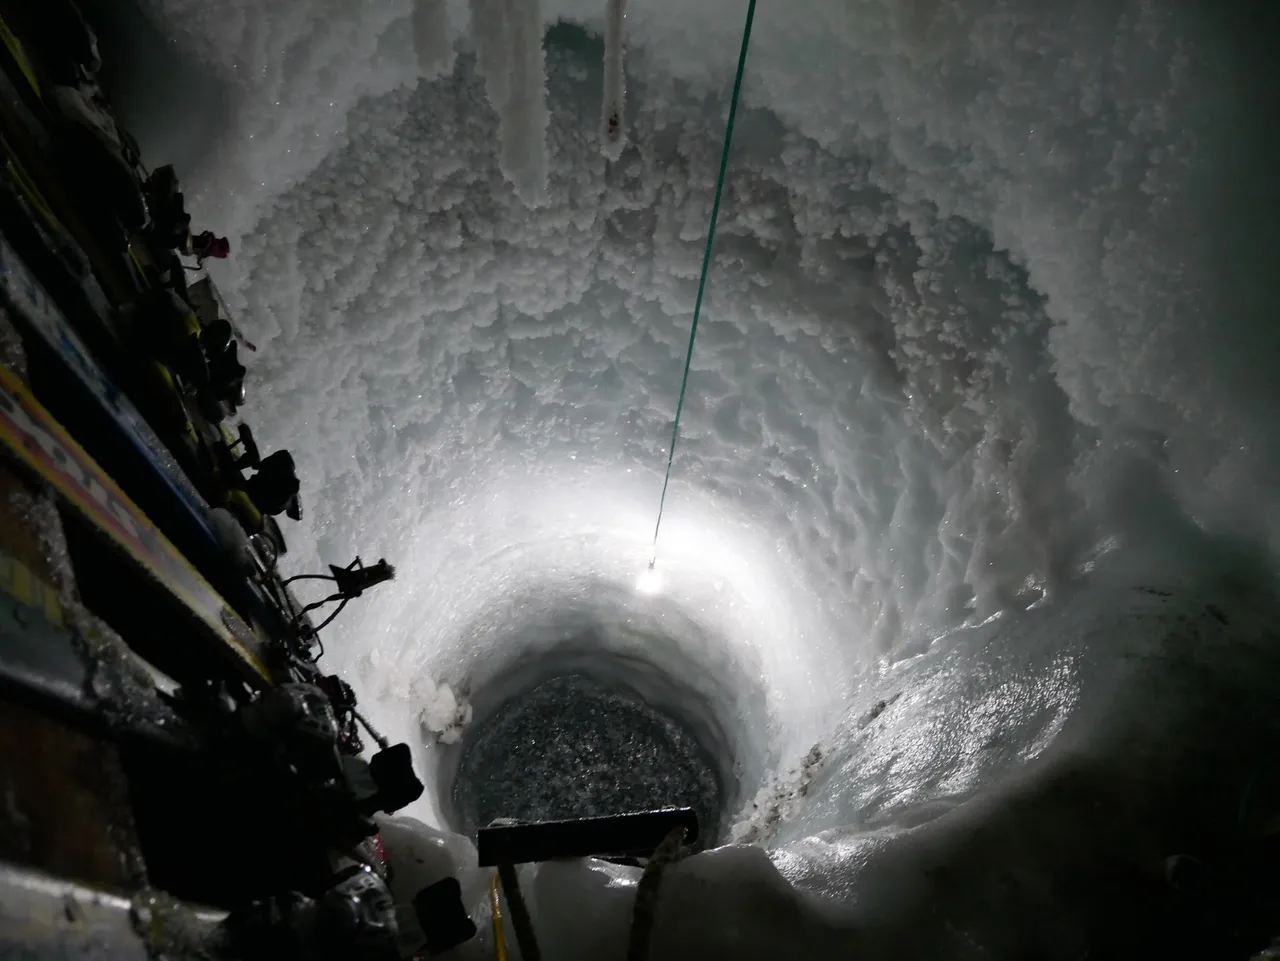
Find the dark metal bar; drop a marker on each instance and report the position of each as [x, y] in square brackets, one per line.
[618, 835]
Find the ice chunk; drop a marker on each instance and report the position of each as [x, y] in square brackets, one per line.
[445, 714]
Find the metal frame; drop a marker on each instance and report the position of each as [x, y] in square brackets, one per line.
[40, 445]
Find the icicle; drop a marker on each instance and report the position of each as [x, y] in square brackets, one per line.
[508, 39]
[431, 38]
[612, 138]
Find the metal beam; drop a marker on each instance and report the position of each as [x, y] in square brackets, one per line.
[619, 835]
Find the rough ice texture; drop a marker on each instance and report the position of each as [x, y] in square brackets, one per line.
[992, 289]
[964, 262]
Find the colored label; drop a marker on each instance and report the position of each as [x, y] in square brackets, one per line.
[27, 296]
[42, 444]
[18, 582]
[19, 56]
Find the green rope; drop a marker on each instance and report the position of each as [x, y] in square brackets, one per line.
[706, 265]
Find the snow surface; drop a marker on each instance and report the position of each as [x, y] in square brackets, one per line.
[987, 360]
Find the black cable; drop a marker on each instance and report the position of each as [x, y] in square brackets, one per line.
[310, 577]
[328, 620]
[332, 597]
[706, 267]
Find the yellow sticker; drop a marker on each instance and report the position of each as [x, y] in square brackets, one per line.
[19, 55]
[44, 446]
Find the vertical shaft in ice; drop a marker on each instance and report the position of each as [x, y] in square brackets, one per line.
[431, 38]
[508, 39]
[615, 84]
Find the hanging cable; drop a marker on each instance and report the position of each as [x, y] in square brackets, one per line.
[706, 265]
[642, 915]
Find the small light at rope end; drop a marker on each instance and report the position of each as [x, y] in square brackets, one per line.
[650, 581]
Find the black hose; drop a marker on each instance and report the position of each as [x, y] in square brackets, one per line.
[520, 919]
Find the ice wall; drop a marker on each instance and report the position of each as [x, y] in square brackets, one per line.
[1012, 791]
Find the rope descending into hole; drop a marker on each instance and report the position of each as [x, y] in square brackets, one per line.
[706, 266]
[647, 894]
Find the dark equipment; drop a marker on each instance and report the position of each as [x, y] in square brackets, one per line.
[442, 916]
[170, 222]
[354, 579]
[344, 705]
[351, 581]
[355, 917]
[392, 783]
[247, 455]
[274, 488]
[226, 373]
[392, 771]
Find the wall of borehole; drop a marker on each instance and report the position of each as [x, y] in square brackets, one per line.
[595, 724]
[718, 673]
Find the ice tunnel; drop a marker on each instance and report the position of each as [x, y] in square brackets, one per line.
[962, 622]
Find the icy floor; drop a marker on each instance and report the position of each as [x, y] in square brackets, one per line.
[987, 360]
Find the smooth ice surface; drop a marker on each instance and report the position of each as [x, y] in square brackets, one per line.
[987, 358]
